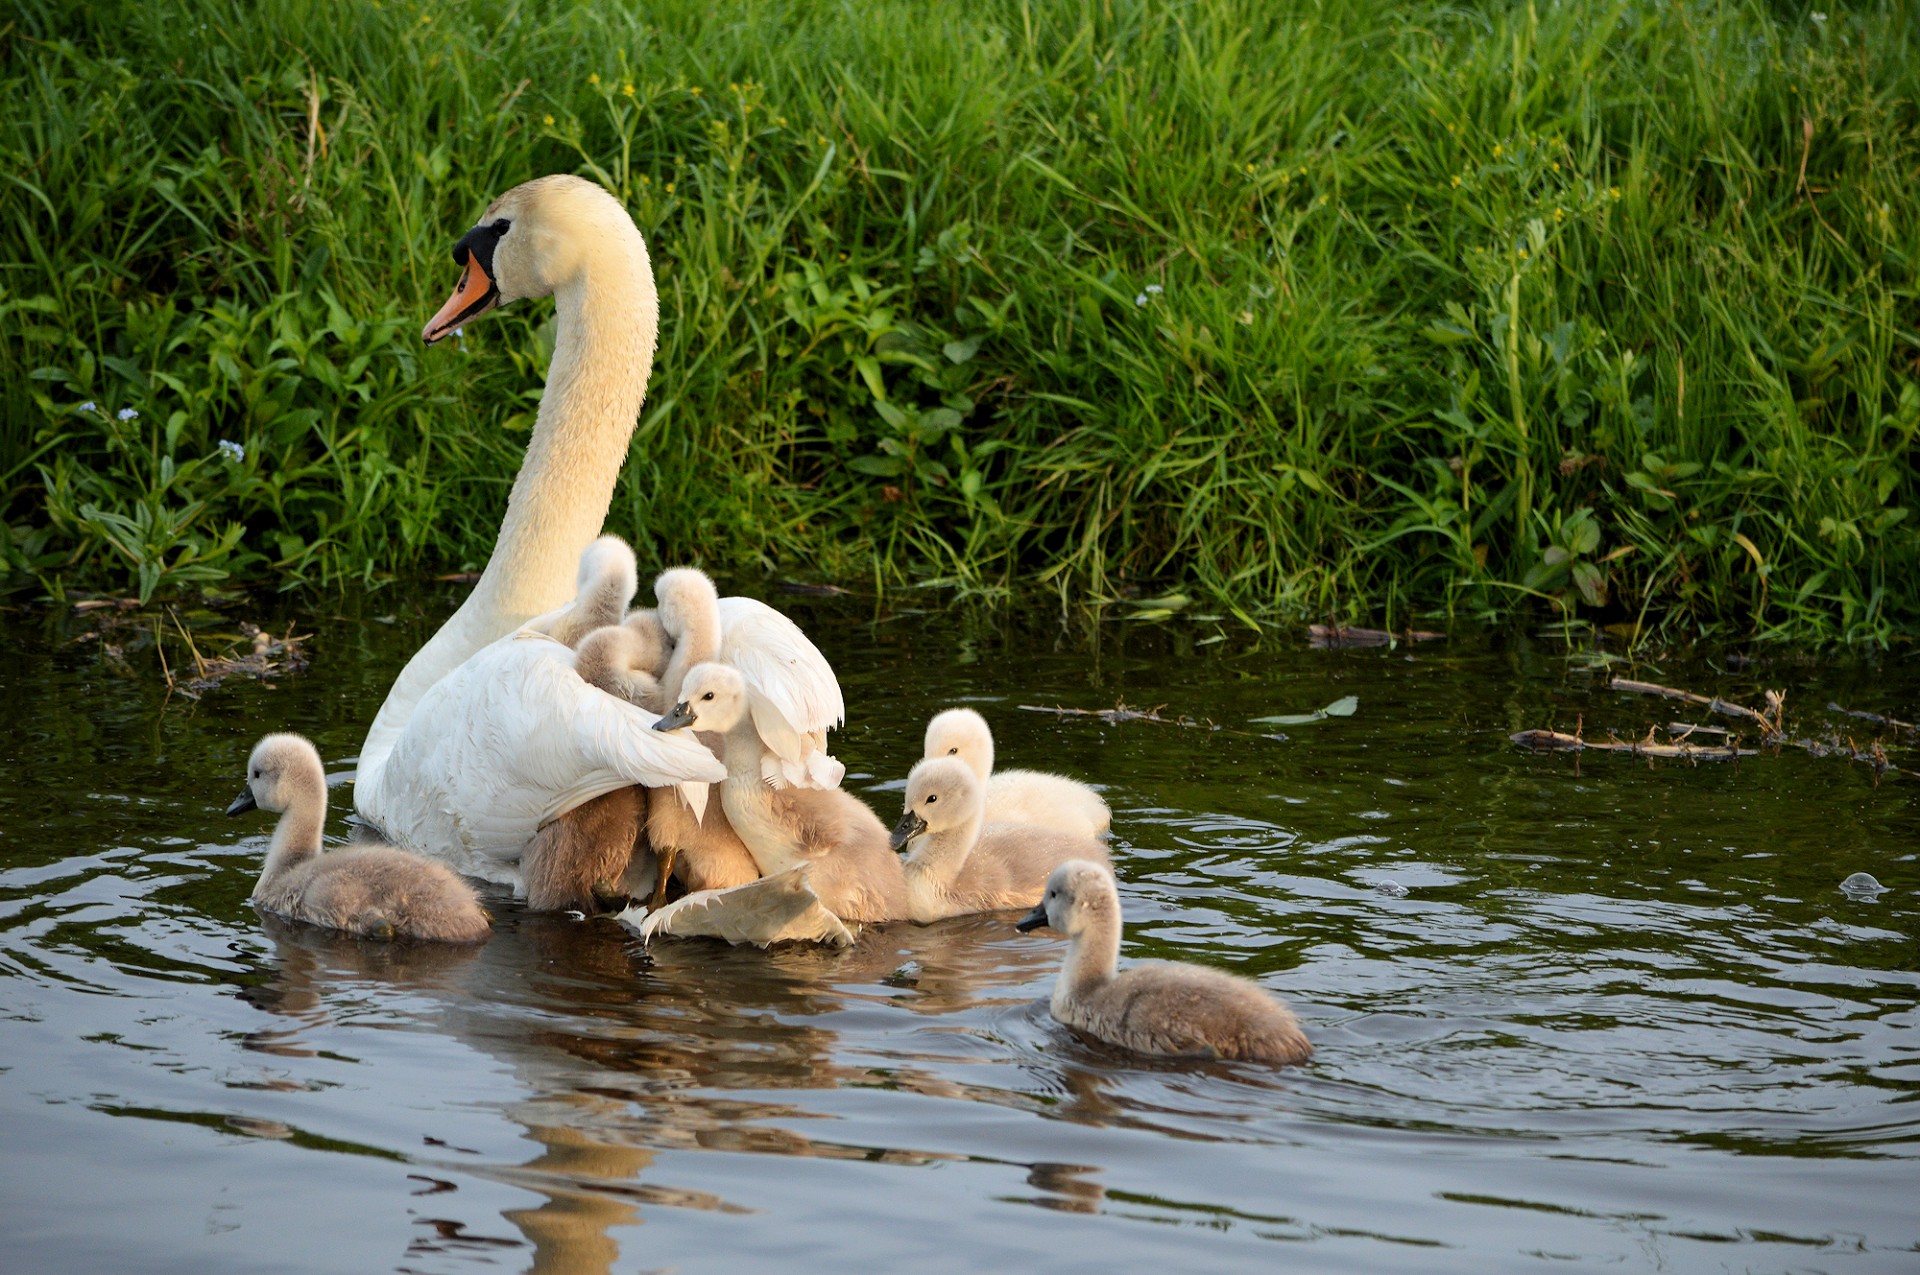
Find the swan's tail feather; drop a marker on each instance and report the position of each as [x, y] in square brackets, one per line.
[776, 909]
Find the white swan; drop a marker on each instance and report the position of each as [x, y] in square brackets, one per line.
[566, 237]
[371, 890]
[1159, 1007]
[480, 744]
[1017, 796]
[961, 864]
[823, 853]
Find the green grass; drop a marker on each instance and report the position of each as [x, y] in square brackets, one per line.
[1357, 311]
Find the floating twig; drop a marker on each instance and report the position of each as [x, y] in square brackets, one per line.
[1553, 741]
[1769, 725]
[1121, 713]
[1333, 636]
[1878, 719]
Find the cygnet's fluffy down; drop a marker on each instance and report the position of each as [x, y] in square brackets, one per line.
[1016, 796]
[961, 864]
[372, 890]
[1157, 1007]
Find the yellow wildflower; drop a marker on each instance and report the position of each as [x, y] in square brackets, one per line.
[669, 188]
[627, 89]
[695, 90]
[1559, 214]
[1498, 150]
[594, 78]
[1456, 181]
[549, 121]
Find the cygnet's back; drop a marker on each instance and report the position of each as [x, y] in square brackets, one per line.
[1016, 796]
[1157, 1007]
[372, 890]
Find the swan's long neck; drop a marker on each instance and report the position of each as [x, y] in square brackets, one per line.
[1092, 954]
[296, 838]
[608, 318]
[698, 642]
[938, 857]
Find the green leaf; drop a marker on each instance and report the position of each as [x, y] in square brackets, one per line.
[961, 351]
[1345, 706]
[878, 466]
[1592, 584]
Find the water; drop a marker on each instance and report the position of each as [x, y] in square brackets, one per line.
[1620, 1017]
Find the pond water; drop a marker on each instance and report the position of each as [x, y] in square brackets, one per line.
[1621, 1016]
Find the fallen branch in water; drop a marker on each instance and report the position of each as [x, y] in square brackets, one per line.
[1332, 636]
[1878, 719]
[269, 657]
[1121, 713]
[1769, 725]
[1553, 741]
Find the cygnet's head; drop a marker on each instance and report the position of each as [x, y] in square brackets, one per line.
[533, 241]
[282, 770]
[962, 733]
[684, 595]
[608, 563]
[1079, 891]
[713, 698]
[942, 792]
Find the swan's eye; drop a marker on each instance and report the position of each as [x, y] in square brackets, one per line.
[502, 226]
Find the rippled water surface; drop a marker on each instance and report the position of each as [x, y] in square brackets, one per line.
[1621, 1017]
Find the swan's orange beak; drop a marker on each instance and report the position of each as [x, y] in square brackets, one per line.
[473, 297]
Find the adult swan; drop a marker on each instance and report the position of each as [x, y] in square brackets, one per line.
[487, 732]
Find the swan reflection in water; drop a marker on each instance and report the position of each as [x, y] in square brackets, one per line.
[622, 1053]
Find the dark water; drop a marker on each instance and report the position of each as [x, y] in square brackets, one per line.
[1621, 1018]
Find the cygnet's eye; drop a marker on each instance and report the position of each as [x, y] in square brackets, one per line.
[953, 750]
[707, 696]
[932, 797]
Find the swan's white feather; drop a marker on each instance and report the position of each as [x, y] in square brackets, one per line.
[776, 909]
[791, 692]
[509, 740]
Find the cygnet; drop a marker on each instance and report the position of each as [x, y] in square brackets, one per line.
[1158, 1007]
[1016, 796]
[960, 863]
[372, 890]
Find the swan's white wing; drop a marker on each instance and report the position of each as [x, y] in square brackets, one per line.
[791, 691]
[776, 909]
[505, 743]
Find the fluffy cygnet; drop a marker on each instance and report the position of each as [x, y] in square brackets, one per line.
[606, 582]
[1016, 796]
[853, 871]
[959, 862]
[371, 890]
[1158, 1007]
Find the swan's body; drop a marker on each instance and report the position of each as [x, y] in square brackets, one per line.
[959, 863]
[371, 890]
[510, 740]
[580, 859]
[1158, 1007]
[1017, 796]
[568, 238]
[850, 871]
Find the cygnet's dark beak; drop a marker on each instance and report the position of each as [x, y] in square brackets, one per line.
[910, 826]
[243, 803]
[1034, 919]
[682, 715]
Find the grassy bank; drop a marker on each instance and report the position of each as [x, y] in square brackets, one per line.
[1317, 310]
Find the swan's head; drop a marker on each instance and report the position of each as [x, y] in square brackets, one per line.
[713, 697]
[1079, 892]
[962, 733]
[282, 770]
[534, 241]
[942, 793]
[684, 594]
[608, 562]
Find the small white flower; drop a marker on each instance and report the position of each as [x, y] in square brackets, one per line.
[88, 406]
[1819, 17]
[1141, 299]
[127, 414]
[460, 334]
[232, 451]
[1153, 289]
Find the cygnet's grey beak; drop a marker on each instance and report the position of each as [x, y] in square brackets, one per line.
[1034, 919]
[682, 715]
[243, 803]
[910, 826]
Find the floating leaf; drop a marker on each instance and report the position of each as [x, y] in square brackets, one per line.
[1345, 706]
